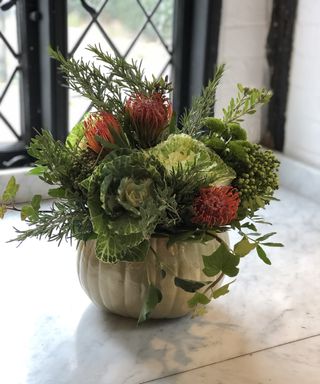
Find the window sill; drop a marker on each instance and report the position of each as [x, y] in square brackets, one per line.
[301, 178]
[29, 185]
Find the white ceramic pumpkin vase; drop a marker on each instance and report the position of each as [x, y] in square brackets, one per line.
[121, 287]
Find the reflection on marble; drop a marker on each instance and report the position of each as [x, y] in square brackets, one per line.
[50, 333]
[293, 363]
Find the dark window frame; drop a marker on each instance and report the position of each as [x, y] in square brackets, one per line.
[43, 94]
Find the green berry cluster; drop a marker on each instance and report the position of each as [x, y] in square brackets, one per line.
[257, 178]
[256, 168]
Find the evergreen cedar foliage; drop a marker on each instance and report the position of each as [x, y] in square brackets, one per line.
[127, 172]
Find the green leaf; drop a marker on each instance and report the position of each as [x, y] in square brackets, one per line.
[263, 255]
[265, 237]
[3, 210]
[198, 298]
[272, 198]
[188, 285]
[172, 125]
[38, 170]
[76, 134]
[244, 247]
[250, 226]
[57, 192]
[221, 260]
[240, 87]
[229, 268]
[31, 211]
[273, 244]
[222, 290]
[110, 248]
[152, 297]
[35, 202]
[106, 144]
[27, 211]
[260, 202]
[137, 253]
[263, 222]
[11, 190]
[253, 234]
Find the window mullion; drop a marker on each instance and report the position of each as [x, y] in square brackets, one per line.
[195, 47]
[28, 32]
[53, 33]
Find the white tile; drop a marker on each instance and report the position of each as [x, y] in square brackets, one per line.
[51, 334]
[293, 363]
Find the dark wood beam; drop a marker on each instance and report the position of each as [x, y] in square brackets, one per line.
[279, 49]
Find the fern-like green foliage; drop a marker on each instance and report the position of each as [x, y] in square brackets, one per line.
[202, 106]
[61, 165]
[87, 80]
[64, 168]
[64, 221]
[129, 77]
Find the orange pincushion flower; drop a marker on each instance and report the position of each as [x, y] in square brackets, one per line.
[149, 116]
[100, 124]
[216, 206]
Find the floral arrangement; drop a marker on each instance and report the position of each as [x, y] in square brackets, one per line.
[129, 171]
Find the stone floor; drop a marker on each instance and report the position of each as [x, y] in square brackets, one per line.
[266, 330]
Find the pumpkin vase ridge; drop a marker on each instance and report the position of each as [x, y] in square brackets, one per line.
[121, 287]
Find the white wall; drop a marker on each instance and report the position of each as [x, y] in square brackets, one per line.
[242, 43]
[302, 130]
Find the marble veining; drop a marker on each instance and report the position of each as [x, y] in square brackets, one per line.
[51, 334]
[297, 362]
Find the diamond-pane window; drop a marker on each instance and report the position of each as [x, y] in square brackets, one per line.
[10, 124]
[138, 29]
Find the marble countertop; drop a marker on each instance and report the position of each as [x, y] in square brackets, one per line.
[266, 330]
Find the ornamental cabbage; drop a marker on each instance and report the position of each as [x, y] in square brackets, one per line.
[126, 202]
[181, 150]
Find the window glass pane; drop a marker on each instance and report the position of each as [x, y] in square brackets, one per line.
[10, 124]
[132, 28]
